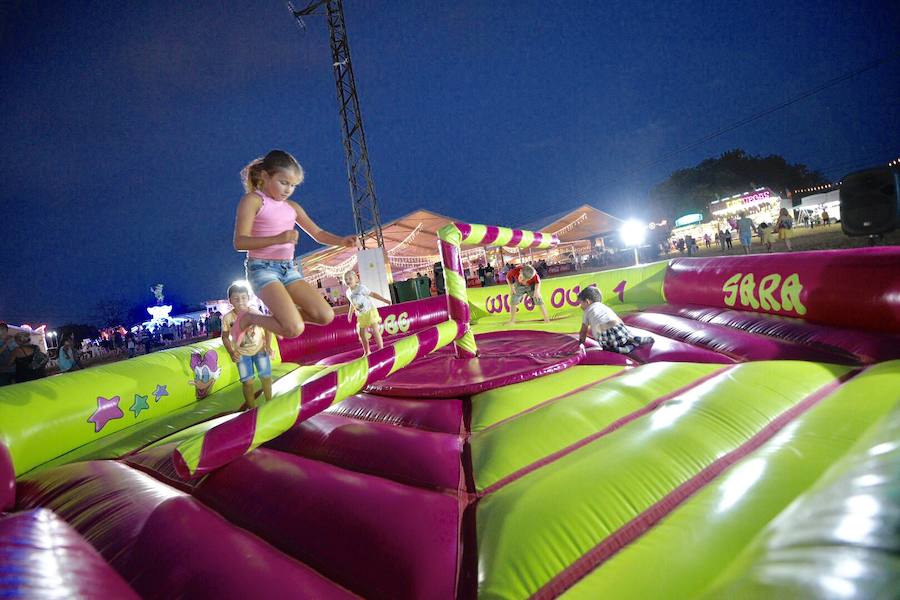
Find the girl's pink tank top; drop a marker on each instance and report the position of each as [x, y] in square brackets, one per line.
[273, 218]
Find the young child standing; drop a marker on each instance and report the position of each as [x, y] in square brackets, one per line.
[264, 228]
[605, 325]
[254, 350]
[783, 226]
[524, 281]
[367, 317]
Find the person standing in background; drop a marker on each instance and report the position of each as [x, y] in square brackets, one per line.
[7, 345]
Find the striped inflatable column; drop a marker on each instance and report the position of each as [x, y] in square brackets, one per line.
[450, 238]
[234, 438]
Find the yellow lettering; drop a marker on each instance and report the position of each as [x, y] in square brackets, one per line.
[790, 294]
[767, 285]
[731, 289]
[748, 287]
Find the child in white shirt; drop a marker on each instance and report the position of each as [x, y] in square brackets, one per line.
[605, 325]
[367, 316]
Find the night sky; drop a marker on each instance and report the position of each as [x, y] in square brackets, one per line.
[125, 124]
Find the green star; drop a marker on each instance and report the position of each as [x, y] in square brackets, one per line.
[140, 403]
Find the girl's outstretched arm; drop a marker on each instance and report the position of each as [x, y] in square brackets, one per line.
[319, 234]
[243, 225]
[380, 297]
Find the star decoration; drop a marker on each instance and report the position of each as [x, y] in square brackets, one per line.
[160, 392]
[140, 404]
[107, 410]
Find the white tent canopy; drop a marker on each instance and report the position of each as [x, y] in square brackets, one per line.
[817, 200]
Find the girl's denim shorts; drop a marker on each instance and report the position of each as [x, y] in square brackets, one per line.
[262, 271]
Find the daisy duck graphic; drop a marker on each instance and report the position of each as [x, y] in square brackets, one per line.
[206, 370]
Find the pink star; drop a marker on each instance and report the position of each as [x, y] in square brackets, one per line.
[107, 410]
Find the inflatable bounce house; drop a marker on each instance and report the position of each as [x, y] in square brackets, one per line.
[752, 451]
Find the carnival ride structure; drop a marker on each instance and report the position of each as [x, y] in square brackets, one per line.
[469, 458]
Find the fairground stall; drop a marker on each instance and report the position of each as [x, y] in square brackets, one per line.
[761, 204]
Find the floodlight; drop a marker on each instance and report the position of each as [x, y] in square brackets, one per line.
[633, 233]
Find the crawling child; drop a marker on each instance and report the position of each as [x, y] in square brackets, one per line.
[605, 325]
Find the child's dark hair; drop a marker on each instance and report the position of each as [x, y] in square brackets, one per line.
[590, 294]
[275, 160]
[237, 288]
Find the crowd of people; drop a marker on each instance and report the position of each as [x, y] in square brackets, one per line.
[743, 229]
[111, 343]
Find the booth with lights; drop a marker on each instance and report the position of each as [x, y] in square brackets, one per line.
[761, 204]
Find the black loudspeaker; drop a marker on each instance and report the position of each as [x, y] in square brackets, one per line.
[869, 202]
[439, 278]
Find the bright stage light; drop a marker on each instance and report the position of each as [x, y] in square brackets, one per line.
[633, 233]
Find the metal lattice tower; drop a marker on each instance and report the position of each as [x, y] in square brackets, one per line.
[359, 172]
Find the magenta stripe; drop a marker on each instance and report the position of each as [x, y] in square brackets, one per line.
[380, 363]
[538, 238]
[226, 442]
[490, 235]
[318, 395]
[428, 341]
[516, 238]
[464, 229]
[554, 240]
[650, 517]
[450, 257]
[617, 424]
[551, 400]
[459, 310]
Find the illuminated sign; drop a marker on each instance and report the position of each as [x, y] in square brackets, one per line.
[688, 220]
[738, 201]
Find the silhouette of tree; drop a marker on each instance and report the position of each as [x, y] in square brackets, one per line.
[691, 190]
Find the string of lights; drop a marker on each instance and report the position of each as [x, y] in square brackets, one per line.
[571, 225]
[415, 260]
[336, 270]
[817, 188]
[406, 241]
[831, 186]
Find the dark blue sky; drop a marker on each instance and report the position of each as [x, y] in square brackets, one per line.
[125, 124]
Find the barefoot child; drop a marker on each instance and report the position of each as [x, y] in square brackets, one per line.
[524, 281]
[254, 350]
[605, 325]
[264, 228]
[367, 316]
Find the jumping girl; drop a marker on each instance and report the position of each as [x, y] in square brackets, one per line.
[264, 228]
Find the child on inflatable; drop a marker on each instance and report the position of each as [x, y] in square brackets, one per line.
[524, 281]
[254, 350]
[264, 228]
[367, 317]
[605, 325]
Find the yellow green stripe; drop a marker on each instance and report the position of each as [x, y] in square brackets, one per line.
[351, 378]
[404, 352]
[446, 333]
[503, 237]
[476, 237]
[450, 233]
[467, 342]
[275, 417]
[190, 452]
[456, 285]
[527, 239]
